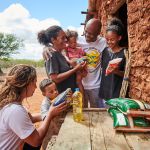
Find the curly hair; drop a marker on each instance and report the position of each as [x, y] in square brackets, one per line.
[16, 81]
[44, 36]
[71, 33]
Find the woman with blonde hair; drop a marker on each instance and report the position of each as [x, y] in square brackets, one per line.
[16, 125]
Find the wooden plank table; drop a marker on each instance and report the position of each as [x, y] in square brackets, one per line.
[96, 133]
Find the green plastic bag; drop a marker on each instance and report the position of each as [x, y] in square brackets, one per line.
[119, 118]
[141, 122]
[124, 104]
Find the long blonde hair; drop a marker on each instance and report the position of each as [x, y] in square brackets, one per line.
[16, 81]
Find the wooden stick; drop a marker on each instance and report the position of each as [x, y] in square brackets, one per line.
[94, 109]
[131, 121]
[135, 129]
[135, 113]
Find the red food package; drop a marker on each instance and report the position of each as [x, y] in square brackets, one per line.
[112, 65]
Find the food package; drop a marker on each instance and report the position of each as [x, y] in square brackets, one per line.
[141, 122]
[125, 104]
[62, 97]
[120, 120]
[112, 65]
[82, 59]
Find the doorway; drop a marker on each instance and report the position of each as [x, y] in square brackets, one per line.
[121, 13]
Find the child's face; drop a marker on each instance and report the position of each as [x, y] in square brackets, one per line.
[51, 91]
[112, 39]
[72, 42]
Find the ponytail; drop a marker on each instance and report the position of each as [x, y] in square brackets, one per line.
[45, 36]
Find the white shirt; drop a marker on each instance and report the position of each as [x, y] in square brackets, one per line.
[15, 124]
[93, 51]
[46, 103]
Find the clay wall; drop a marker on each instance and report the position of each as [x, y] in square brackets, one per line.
[138, 26]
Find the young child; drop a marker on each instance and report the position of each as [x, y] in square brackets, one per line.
[49, 90]
[111, 84]
[73, 52]
[75, 55]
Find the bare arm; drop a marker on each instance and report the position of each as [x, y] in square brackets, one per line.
[35, 117]
[36, 138]
[119, 73]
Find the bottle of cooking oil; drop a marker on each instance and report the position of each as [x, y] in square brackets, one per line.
[77, 105]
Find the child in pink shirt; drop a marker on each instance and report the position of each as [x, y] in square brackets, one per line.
[73, 52]
[75, 55]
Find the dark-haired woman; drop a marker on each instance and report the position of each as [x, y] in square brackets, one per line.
[111, 84]
[57, 67]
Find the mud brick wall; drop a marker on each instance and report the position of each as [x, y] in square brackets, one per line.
[138, 12]
[105, 10]
[139, 45]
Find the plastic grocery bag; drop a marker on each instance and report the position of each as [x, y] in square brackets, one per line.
[119, 118]
[124, 104]
[141, 122]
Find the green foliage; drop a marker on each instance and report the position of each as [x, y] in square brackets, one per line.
[11, 62]
[9, 44]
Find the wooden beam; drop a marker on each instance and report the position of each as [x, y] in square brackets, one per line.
[135, 129]
[89, 12]
[82, 24]
[134, 113]
[94, 109]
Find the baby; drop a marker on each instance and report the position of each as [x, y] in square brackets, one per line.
[73, 52]
[75, 55]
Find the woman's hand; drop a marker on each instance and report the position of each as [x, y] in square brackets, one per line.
[69, 98]
[56, 110]
[73, 62]
[80, 66]
[69, 94]
[47, 52]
